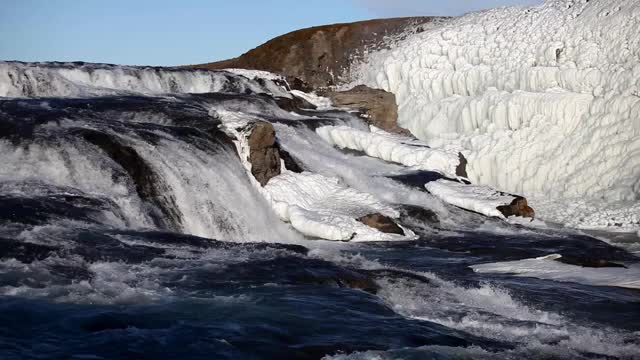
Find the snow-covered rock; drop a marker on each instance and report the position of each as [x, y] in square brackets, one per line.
[322, 207]
[542, 100]
[481, 199]
[317, 206]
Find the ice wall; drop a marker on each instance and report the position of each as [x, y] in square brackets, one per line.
[541, 100]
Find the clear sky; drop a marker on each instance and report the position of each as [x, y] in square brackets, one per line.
[175, 32]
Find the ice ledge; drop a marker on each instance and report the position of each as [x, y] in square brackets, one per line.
[481, 199]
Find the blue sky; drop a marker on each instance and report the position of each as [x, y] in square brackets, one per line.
[172, 32]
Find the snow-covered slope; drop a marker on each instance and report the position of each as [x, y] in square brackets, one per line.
[542, 100]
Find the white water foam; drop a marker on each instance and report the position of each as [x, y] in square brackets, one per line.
[492, 312]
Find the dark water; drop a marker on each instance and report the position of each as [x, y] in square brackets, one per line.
[98, 196]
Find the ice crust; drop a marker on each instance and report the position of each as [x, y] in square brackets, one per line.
[542, 100]
[547, 268]
[390, 147]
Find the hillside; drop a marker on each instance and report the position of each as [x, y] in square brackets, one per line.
[321, 55]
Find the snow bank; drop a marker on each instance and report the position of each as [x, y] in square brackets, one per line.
[481, 199]
[321, 206]
[390, 147]
[547, 268]
[543, 100]
[19, 79]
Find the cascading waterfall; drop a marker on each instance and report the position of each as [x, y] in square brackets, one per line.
[127, 208]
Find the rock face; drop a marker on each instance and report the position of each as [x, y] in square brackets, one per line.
[378, 106]
[518, 207]
[264, 155]
[382, 223]
[321, 56]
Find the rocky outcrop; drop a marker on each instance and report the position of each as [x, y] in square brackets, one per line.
[321, 56]
[382, 223]
[264, 155]
[518, 207]
[378, 107]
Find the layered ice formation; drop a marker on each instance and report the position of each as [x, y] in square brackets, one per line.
[390, 147]
[541, 100]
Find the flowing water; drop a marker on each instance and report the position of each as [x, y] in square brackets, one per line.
[129, 229]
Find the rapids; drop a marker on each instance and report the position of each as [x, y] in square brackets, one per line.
[130, 228]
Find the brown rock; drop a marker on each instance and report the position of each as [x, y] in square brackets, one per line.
[461, 169]
[518, 207]
[320, 56]
[382, 223]
[378, 106]
[264, 155]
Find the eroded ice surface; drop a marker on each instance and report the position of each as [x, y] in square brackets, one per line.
[543, 100]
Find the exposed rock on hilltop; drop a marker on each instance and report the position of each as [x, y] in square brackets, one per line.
[320, 56]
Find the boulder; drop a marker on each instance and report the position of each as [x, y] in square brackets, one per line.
[378, 106]
[518, 207]
[264, 154]
[382, 223]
